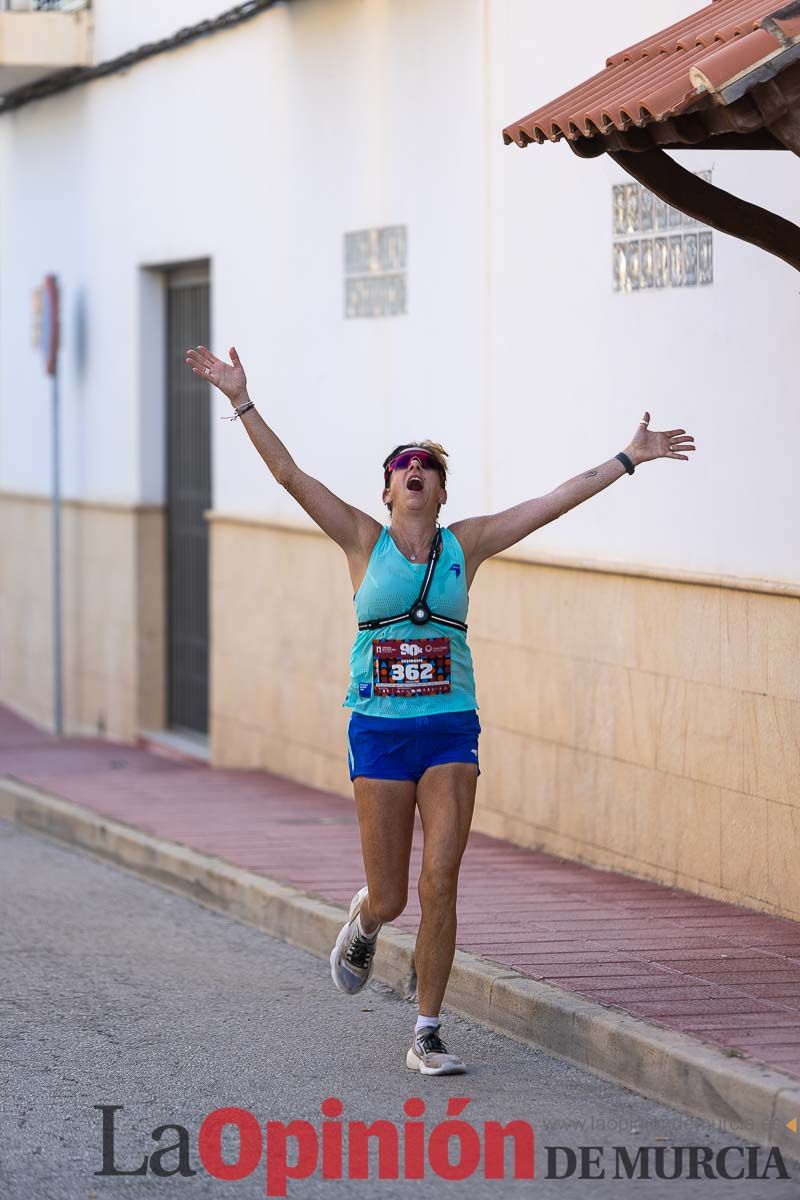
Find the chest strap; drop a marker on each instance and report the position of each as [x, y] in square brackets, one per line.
[419, 613]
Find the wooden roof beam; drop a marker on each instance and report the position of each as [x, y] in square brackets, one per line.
[710, 204]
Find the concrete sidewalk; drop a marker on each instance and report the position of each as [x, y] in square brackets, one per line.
[688, 1000]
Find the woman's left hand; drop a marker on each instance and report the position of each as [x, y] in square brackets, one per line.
[647, 444]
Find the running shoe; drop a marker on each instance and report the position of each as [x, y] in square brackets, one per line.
[429, 1055]
[352, 958]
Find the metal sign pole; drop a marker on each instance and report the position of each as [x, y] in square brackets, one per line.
[57, 676]
[48, 334]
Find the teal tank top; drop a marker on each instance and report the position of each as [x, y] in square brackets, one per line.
[405, 672]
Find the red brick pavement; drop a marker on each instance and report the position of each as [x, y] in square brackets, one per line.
[723, 973]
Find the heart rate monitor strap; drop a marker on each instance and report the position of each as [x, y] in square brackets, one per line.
[419, 613]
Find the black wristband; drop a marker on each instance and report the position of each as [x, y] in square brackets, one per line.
[626, 462]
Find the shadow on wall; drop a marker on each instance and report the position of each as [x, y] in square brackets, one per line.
[80, 333]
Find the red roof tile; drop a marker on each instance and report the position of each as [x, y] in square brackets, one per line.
[685, 68]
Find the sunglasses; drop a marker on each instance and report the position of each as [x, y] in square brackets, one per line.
[400, 461]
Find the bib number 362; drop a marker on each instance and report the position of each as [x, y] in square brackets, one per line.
[415, 667]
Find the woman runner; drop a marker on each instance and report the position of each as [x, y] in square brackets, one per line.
[413, 732]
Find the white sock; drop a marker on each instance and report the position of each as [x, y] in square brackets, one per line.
[425, 1023]
[360, 930]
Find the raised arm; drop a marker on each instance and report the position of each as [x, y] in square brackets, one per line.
[481, 537]
[355, 531]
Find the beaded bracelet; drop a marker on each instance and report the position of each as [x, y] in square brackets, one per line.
[237, 412]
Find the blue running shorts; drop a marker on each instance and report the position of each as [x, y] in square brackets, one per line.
[404, 747]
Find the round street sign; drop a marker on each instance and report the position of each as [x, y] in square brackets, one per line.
[50, 323]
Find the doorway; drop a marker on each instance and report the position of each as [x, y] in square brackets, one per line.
[188, 495]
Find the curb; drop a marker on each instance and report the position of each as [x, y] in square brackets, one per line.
[751, 1101]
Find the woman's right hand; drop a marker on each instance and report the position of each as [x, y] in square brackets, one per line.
[228, 377]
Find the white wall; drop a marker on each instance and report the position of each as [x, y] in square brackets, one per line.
[574, 366]
[120, 27]
[260, 147]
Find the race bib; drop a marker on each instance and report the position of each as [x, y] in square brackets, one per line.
[415, 667]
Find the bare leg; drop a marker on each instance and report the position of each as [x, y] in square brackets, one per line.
[385, 810]
[446, 800]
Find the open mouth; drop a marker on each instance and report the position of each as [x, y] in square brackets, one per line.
[414, 484]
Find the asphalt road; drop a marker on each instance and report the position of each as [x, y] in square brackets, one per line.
[117, 992]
